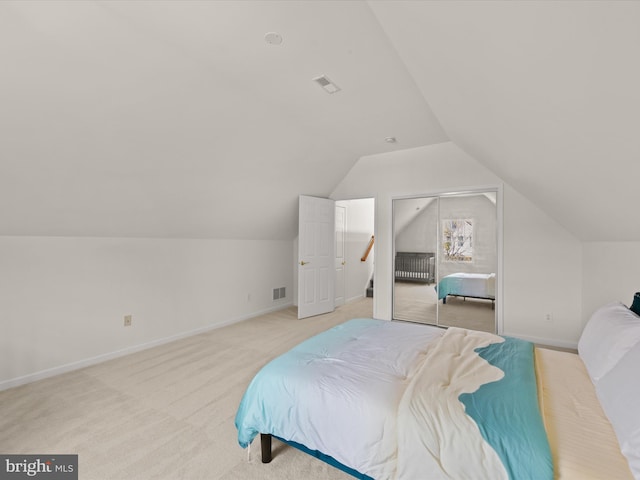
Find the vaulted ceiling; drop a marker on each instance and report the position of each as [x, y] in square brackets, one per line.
[178, 119]
[544, 94]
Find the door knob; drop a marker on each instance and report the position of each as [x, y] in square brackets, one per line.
[302, 262]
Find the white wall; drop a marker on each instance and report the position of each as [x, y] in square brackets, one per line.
[360, 227]
[62, 300]
[542, 274]
[611, 274]
[541, 260]
[420, 234]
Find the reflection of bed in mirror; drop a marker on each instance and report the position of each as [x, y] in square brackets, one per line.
[415, 267]
[468, 285]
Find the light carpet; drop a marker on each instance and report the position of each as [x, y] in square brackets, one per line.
[167, 412]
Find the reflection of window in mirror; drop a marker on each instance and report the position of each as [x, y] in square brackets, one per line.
[457, 240]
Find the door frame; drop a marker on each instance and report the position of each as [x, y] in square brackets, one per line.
[340, 296]
[296, 248]
[351, 267]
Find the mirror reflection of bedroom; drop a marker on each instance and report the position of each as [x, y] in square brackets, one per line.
[445, 260]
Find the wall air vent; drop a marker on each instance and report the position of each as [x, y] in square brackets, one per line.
[326, 84]
[279, 293]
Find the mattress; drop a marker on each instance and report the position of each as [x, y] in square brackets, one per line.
[480, 285]
[583, 443]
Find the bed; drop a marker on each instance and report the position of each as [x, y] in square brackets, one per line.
[468, 285]
[391, 400]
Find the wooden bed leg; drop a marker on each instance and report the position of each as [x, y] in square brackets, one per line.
[265, 443]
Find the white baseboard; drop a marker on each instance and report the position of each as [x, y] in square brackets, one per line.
[353, 299]
[544, 341]
[50, 372]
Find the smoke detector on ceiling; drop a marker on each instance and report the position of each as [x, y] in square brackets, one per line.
[391, 139]
[326, 84]
[273, 38]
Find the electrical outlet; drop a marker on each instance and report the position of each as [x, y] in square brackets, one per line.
[127, 320]
[548, 317]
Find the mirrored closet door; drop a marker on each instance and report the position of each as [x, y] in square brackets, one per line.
[446, 260]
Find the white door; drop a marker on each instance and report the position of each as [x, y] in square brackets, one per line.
[316, 273]
[341, 223]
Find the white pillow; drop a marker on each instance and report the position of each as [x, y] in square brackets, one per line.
[609, 334]
[619, 392]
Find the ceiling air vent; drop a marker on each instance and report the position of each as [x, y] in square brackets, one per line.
[326, 84]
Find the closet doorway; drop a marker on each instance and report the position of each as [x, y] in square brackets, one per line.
[446, 259]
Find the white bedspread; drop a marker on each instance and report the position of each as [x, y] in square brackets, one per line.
[358, 387]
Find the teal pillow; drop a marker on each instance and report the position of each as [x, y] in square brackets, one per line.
[635, 306]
